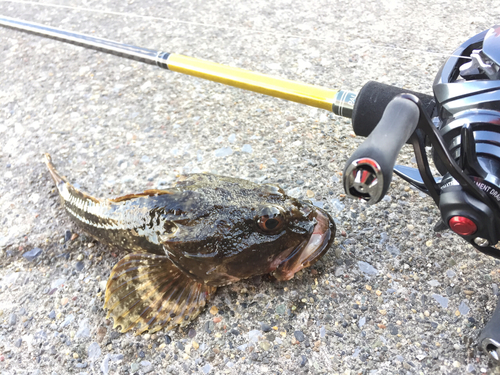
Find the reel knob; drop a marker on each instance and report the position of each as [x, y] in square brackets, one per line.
[362, 178]
[462, 225]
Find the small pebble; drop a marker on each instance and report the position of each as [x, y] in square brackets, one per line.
[214, 310]
[208, 327]
[134, 367]
[18, 342]
[32, 254]
[280, 309]
[192, 333]
[322, 332]
[168, 340]
[94, 351]
[12, 319]
[302, 360]
[367, 268]
[450, 273]
[247, 148]
[223, 152]
[67, 235]
[79, 266]
[101, 332]
[265, 327]
[67, 321]
[299, 336]
[443, 301]
[52, 315]
[265, 345]
[83, 329]
[463, 308]
[105, 365]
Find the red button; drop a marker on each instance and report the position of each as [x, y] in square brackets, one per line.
[462, 225]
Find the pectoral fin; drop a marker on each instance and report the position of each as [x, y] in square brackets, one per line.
[148, 292]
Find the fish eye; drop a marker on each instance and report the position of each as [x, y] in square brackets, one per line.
[270, 219]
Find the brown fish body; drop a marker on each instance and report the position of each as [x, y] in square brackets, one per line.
[205, 232]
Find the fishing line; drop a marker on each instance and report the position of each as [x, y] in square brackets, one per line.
[272, 33]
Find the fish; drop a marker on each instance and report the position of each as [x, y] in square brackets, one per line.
[184, 242]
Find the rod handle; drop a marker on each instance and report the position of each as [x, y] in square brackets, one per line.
[371, 102]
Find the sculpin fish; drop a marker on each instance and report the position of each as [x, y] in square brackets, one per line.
[206, 231]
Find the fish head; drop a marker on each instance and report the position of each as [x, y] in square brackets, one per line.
[235, 229]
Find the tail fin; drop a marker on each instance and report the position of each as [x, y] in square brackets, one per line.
[58, 179]
[66, 190]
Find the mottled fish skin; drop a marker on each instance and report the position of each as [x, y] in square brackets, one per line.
[206, 231]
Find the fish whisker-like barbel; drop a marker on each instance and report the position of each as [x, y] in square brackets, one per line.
[340, 102]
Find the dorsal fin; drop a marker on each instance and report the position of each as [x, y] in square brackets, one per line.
[145, 193]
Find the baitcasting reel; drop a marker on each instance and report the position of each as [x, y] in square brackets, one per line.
[462, 125]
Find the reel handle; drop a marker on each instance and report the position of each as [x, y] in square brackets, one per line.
[368, 171]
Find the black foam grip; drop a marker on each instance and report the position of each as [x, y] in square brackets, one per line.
[371, 102]
[398, 122]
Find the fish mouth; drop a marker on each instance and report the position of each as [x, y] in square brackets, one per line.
[308, 251]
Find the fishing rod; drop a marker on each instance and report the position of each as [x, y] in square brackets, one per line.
[460, 122]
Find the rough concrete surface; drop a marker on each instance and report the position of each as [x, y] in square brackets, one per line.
[391, 297]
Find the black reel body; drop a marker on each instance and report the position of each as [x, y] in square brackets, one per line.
[467, 94]
[461, 123]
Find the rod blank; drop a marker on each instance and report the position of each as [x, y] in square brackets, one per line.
[340, 102]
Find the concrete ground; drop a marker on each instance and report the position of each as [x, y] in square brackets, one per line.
[391, 297]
